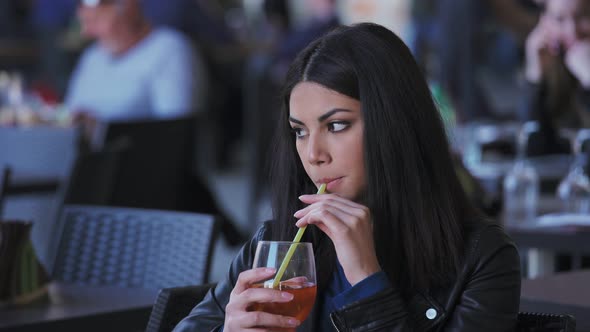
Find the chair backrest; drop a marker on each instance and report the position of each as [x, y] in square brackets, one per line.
[153, 172]
[134, 247]
[173, 304]
[541, 322]
[93, 177]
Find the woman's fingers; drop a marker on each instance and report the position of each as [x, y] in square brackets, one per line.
[332, 214]
[260, 318]
[249, 277]
[310, 199]
[297, 280]
[244, 294]
[352, 235]
[343, 204]
[258, 295]
[239, 313]
[328, 219]
[261, 295]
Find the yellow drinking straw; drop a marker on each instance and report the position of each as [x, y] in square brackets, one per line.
[291, 250]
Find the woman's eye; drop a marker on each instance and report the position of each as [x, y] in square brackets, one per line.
[298, 132]
[338, 126]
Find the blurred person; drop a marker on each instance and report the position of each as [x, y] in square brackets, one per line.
[133, 71]
[137, 72]
[460, 43]
[557, 68]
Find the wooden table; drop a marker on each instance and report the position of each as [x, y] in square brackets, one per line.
[83, 308]
[562, 293]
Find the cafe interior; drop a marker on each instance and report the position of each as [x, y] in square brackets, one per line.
[136, 136]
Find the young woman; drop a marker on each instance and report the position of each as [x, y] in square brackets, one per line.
[398, 246]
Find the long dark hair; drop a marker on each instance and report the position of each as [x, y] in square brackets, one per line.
[417, 203]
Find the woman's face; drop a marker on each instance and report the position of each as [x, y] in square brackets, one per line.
[328, 131]
[570, 18]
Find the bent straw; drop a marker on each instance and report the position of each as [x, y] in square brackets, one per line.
[291, 250]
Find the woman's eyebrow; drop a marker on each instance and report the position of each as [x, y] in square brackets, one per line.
[328, 114]
[322, 117]
[292, 119]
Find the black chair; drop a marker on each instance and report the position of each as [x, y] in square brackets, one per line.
[93, 177]
[173, 304]
[541, 322]
[158, 171]
[154, 171]
[134, 247]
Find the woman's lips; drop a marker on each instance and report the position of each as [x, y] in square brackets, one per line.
[331, 184]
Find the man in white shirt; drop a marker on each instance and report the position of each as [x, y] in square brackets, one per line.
[133, 71]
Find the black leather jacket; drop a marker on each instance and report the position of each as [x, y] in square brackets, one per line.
[484, 297]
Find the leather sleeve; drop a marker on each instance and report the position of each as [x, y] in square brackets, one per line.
[384, 311]
[486, 300]
[491, 297]
[209, 315]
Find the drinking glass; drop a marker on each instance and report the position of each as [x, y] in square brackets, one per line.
[574, 189]
[298, 279]
[521, 184]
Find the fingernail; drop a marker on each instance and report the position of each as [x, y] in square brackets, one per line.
[270, 270]
[287, 296]
[293, 322]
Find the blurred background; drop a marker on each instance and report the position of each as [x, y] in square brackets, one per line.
[170, 105]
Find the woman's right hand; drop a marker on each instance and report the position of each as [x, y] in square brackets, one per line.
[542, 49]
[237, 315]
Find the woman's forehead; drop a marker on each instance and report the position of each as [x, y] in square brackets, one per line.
[310, 97]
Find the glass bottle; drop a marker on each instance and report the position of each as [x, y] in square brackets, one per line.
[521, 183]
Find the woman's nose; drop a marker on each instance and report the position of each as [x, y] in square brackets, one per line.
[316, 150]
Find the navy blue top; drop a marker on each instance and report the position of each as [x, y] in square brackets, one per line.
[340, 293]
